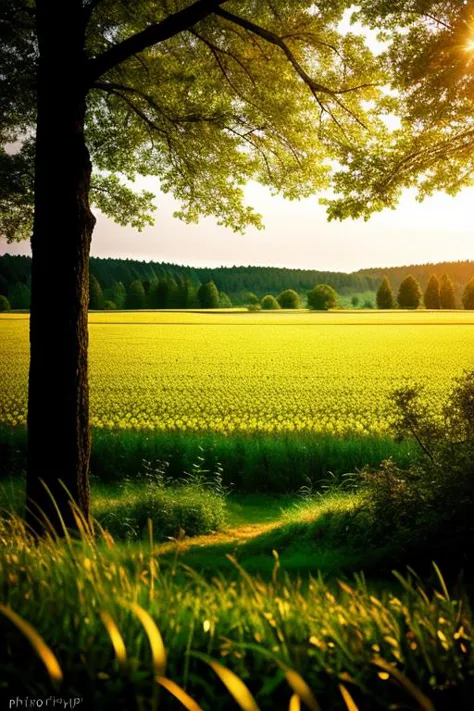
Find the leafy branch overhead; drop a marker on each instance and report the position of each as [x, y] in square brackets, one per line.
[205, 96]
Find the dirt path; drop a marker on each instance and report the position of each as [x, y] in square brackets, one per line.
[237, 534]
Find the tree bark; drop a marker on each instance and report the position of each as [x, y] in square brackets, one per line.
[58, 397]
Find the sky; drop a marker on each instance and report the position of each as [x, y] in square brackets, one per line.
[297, 234]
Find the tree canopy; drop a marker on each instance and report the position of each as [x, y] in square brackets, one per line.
[204, 96]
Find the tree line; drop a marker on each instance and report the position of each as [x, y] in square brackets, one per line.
[439, 294]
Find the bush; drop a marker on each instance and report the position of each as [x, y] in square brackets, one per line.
[4, 303]
[322, 298]
[208, 296]
[289, 299]
[109, 305]
[269, 303]
[409, 293]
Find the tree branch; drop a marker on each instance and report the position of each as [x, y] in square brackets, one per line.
[152, 35]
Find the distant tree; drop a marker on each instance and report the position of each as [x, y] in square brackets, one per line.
[289, 299]
[251, 299]
[384, 296]
[409, 293]
[468, 295]
[269, 303]
[109, 305]
[4, 303]
[447, 293]
[118, 294]
[136, 296]
[322, 297]
[224, 301]
[96, 297]
[368, 304]
[208, 296]
[186, 296]
[355, 301]
[19, 296]
[432, 296]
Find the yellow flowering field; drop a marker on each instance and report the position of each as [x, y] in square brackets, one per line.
[239, 371]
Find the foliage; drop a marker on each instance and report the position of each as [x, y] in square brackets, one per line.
[432, 296]
[251, 299]
[269, 303]
[384, 296]
[136, 298]
[4, 303]
[208, 296]
[447, 294]
[205, 111]
[156, 371]
[109, 305]
[276, 635]
[409, 293]
[322, 298]
[224, 301]
[19, 296]
[468, 295]
[96, 297]
[289, 299]
[428, 58]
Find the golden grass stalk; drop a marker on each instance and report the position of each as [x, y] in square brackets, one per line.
[37, 642]
[348, 700]
[295, 703]
[235, 686]
[408, 685]
[115, 637]
[301, 688]
[158, 651]
[178, 693]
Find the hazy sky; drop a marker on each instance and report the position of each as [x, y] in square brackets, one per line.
[298, 235]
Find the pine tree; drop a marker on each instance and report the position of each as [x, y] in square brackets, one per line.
[409, 293]
[96, 297]
[447, 293]
[468, 295]
[384, 297]
[432, 294]
[136, 295]
[208, 296]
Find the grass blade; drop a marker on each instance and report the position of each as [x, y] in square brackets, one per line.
[235, 686]
[115, 637]
[158, 651]
[178, 693]
[348, 700]
[295, 704]
[301, 688]
[37, 642]
[408, 685]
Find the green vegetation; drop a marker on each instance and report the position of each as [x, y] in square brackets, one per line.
[447, 293]
[409, 293]
[269, 303]
[432, 297]
[4, 303]
[468, 295]
[384, 296]
[289, 299]
[322, 297]
[96, 297]
[208, 296]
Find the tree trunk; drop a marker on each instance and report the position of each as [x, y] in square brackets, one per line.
[58, 398]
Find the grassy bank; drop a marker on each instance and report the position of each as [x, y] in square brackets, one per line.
[250, 463]
[91, 602]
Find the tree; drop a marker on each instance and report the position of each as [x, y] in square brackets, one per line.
[432, 296]
[355, 301]
[118, 294]
[428, 62]
[4, 303]
[136, 298]
[251, 299]
[96, 297]
[269, 303]
[322, 297]
[468, 295]
[289, 299]
[447, 294]
[208, 296]
[384, 296]
[409, 293]
[19, 296]
[202, 94]
[224, 301]
[109, 305]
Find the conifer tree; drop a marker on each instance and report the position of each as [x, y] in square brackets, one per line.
[409, 293]
[208, 296]
[96, 297]
[136, 298]
[447, 293]
[432, 296]
[384, 297]
[468, 295]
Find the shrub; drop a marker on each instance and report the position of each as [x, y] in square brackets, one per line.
[384, 296]
[409, 293]
[109, 305]
[289, 299]
[251, 299]
[432, 294]
[468, 295]
[224, 301]
[322, 298]
[4, 303]
[208, 296]
[269, 303]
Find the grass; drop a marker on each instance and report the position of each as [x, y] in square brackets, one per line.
[103, 615]
[250, 463]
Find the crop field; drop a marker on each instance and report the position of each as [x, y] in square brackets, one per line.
[236, 372]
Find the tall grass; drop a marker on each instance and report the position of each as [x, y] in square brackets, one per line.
[276, 464]
[123, 628]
